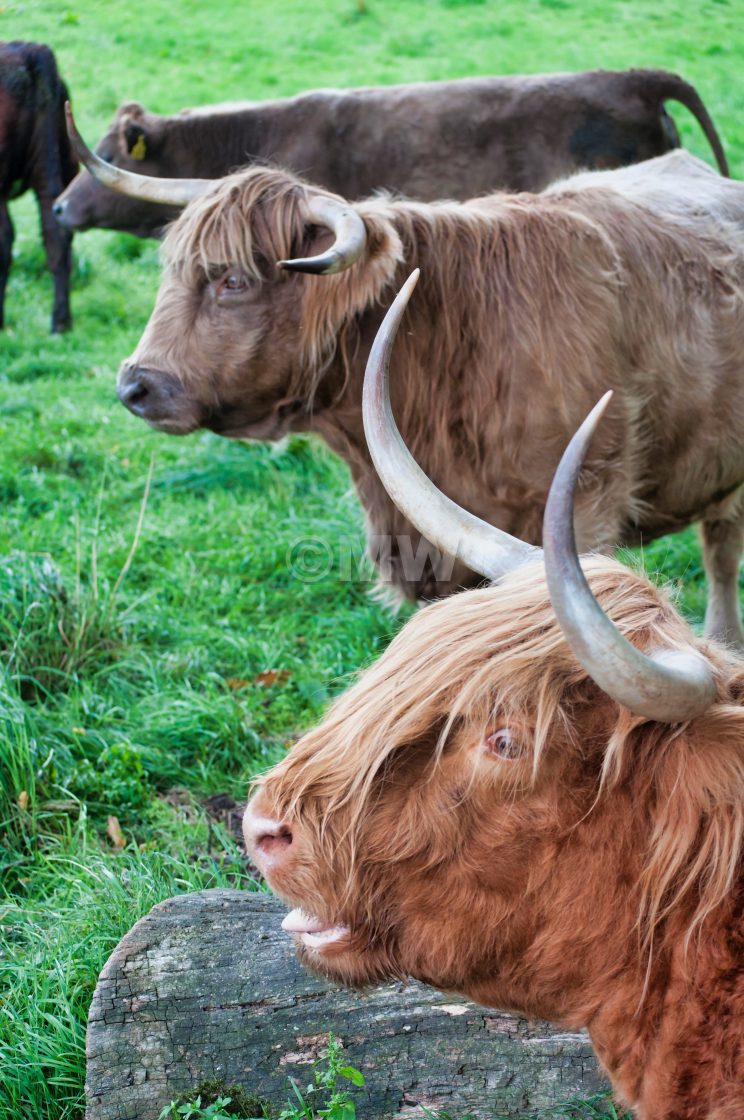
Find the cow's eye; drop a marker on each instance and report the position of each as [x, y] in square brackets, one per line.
[232, 283]
[503, 743]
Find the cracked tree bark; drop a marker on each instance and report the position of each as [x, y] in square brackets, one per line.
[207, 987]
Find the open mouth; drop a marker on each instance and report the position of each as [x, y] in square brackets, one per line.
[313, 932]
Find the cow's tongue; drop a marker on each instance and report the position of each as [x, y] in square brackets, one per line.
[313, 931]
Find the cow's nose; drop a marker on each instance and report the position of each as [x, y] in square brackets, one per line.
[58, 209]
[267, 839]
[134, 393]
[159, 398]
[142, 391]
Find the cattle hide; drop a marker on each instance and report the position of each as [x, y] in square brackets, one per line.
[35, 154]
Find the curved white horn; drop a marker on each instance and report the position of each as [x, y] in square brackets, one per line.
[174, 192]
[351, 237]
[668, 685]
[453, 530]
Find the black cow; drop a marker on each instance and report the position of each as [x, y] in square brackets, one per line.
[428, 140]
[35, 154]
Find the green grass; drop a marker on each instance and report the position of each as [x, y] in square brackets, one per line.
[118, 683]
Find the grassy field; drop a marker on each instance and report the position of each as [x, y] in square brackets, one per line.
[136, 643]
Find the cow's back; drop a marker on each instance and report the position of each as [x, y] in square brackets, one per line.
[677, 185]
[466, 137]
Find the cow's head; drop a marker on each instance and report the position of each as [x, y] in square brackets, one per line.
[237, 341]
[258, 282]
[519, 780]
[133, 143]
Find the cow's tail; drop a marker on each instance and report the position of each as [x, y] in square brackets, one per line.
[671, 86]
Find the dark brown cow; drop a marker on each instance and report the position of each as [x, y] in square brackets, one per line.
[529, 305]
[431, 140]
[35, 154]
[534, 798]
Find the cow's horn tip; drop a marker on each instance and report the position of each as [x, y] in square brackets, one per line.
[314, 266]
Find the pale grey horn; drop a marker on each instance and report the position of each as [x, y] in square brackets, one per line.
[453, 530]
[350, 232]
[173, 192]
[666, 685]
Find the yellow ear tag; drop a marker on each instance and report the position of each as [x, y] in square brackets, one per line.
[139, 149]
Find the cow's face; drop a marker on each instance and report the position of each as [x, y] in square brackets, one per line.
[417, 827]
[235, 344]
[219, 352]
[134, 142]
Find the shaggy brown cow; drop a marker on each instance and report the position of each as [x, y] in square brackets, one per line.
[35, 154]
[528, 307]
[430, 140]
[537, 804]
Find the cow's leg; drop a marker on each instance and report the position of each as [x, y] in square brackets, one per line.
[6, 253]
[58, 246]
[723, 541]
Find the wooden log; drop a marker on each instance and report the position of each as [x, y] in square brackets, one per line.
[207, 987]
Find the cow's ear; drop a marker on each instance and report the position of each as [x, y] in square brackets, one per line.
[136, 139]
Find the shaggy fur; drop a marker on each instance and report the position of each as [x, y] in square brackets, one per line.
[596, 878]
[528, 308]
